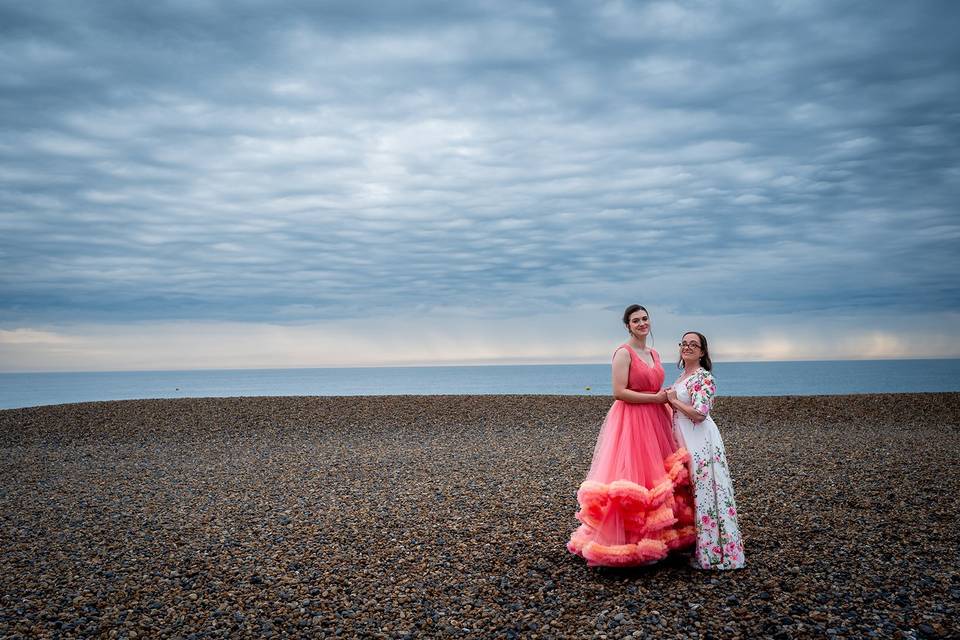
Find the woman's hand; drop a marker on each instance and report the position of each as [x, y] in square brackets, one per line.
[671, 395]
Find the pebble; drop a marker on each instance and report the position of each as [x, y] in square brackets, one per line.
[404, 517]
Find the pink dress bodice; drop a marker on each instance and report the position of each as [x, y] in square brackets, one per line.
[643, 377]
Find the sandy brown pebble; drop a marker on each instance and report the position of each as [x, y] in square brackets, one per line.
[447, 516]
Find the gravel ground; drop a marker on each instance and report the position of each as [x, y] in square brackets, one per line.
[446, 516]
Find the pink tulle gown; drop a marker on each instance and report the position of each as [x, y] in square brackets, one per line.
[635, 505]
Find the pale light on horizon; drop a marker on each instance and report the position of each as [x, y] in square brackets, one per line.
[451, 341]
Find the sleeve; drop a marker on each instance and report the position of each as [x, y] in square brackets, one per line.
[702, 388]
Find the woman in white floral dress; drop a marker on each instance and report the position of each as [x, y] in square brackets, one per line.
[719, 545]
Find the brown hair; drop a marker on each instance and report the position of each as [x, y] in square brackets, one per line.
[705, 361]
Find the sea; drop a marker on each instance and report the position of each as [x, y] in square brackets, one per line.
[807, 378]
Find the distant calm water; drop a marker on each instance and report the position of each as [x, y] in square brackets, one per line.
[734, 379]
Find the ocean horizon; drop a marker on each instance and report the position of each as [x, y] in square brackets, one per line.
[820, 377]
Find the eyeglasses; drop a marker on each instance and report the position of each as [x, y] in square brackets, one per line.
[689, 345]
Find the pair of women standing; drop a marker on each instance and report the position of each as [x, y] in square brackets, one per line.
[658, 481]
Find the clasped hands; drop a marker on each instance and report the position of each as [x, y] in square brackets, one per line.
[669, 395]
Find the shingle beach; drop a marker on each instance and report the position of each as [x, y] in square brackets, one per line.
[441, 516]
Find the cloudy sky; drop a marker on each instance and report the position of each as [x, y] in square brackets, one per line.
[198, 183]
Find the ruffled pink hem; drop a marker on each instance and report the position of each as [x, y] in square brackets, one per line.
[652, 521]
[645, 551]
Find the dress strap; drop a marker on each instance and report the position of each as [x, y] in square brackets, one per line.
[629, 349]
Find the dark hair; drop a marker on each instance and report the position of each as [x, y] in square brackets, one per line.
[704, 351]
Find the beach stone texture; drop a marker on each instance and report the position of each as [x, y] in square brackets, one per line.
[447, 516]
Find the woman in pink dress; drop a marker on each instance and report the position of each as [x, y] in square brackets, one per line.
[635, 504]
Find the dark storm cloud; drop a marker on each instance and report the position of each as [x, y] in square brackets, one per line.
[249, 161]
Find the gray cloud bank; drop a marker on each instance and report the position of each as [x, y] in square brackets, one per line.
[296, 162]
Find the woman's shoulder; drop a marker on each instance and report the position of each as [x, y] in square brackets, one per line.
[703, 378]
[623, 351]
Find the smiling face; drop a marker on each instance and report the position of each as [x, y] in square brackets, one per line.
[638, 324]
[690, 348]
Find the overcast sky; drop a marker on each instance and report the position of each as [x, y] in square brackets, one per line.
[257, 184]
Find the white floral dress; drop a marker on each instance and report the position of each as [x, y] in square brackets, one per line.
[719, 544]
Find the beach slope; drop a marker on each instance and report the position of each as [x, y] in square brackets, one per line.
[448, 515]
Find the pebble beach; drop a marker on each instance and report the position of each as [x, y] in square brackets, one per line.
[447, 516]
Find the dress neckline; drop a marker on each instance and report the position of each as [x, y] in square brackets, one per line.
[652, 357]
[684, 379]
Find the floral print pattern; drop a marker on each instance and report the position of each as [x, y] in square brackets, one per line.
[701, 388]
[719, 543]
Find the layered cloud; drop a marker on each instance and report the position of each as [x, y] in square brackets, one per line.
[313, 164]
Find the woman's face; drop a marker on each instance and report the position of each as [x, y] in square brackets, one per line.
[690, 347]
[639, 323]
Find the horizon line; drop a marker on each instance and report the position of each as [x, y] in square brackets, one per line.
[499, 363]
